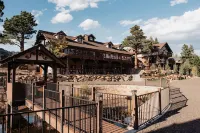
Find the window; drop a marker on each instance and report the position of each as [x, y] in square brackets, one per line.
[91, 38]
[80, 40]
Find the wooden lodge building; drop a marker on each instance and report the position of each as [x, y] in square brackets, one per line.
[159, 56]
[85, 55]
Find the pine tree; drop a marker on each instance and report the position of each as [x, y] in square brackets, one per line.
[1, 9]
[135, 41]
[187, 52]
[19, 28]
[156, 41]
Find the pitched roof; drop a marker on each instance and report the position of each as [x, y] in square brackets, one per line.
[38, 47]
[95, 45]
[160, 45]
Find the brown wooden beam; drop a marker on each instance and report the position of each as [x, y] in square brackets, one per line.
[55, 73]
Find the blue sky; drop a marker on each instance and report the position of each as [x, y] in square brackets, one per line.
[173, 21]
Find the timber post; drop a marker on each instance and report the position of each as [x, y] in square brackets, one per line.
[159, 99]
[93, 94]
[44, 107]
[100, 114]
[63, 110]
[72, 95]
[33, 95]
[135, 108]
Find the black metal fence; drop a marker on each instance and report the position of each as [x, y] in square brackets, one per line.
[117, 108]
[149, 106]
[71, 113]
[42, 121]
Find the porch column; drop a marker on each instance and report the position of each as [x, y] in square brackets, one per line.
[120, 67]
[54, 73]
[45, 73]
[8, 73]
[13, 73]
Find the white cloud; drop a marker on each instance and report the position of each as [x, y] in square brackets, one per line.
[89, 24]
[176, 2]
[72, 5]
[175, 30]
[37, 14]
[186, 26]
[110, 38]
[75, 5]
[62, 17]
[130, 22]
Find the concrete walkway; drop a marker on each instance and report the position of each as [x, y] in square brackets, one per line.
[185, 120]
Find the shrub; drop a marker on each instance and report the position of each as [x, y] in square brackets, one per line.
[175, 69]
[153, 67]
[194, 71]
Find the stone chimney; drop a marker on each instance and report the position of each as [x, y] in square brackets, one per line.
[86, 37]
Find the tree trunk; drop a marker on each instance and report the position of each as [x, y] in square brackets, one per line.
[22, 43]
[136, 60]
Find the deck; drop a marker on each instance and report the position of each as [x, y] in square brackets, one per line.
[50, 104]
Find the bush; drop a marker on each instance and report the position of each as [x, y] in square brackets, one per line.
[185, 68]
[175, 69]
[153, 67]
[195, 71]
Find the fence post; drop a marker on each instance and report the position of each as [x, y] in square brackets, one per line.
[135, 108]
[93, 94]
[100, 114]
[33, 95]
[44, 107]
[72, 95]
[63, 110]
[159, 99]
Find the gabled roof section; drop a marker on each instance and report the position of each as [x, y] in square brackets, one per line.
[51, 35]
[34, 55]
[94, 45]
[61, 33]
[161, 45]
[107, 43]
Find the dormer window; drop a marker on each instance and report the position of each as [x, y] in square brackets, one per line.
[80, 39]
[60, 35]
[110, 45]
[91, 38]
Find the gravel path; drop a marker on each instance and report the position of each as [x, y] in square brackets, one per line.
[185, 120]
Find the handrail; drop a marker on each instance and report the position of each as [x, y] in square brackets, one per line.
[20, 113]
[81, 99]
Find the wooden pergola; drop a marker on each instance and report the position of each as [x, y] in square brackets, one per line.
[36, 55]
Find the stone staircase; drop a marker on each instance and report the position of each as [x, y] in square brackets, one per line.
[177, 99]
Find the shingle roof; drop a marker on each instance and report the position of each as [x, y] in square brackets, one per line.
[95, 45]
[160, 45]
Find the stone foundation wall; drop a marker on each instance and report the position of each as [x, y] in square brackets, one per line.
[120, 89]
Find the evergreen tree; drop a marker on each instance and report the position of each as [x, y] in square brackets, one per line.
[187, 52]
[148, 49]
[19, 28]
[1, 9]
[175, 68]
[156, 41]
[135, 41]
